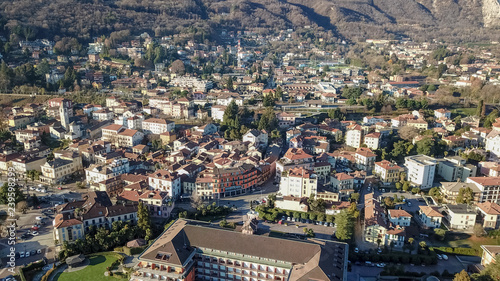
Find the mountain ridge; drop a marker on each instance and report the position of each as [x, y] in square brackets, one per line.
[447, 20]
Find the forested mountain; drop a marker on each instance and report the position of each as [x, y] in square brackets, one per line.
[451, 20]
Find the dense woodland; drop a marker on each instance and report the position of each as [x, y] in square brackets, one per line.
[354, 20]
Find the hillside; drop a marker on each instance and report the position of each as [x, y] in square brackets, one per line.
[450, 20]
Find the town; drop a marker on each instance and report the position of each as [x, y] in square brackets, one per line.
[270, 157]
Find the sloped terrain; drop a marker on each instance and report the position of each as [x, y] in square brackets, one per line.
[450, 20]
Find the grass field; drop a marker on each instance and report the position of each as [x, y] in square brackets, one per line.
[20, 100]
[93, 272]
[466, 241]
[463, 111]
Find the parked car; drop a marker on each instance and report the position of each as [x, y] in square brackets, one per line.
[27, 254]
[21, 255]
[34, 233]
[39, 218]
[39, 251]
[33, 252]
[32, 188]
[356, 250]
[381, 265]
[439, 257]
[445, 257]
[409, 204]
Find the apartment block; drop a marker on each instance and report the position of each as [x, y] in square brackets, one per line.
[421, 170]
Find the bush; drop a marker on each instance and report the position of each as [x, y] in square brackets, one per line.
[457, 251]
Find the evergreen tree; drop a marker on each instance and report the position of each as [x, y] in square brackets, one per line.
[143, 219]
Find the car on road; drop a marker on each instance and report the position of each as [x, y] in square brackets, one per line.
[21, 255]
[39, 218]
[381, 265]
[409, 204]
[32, 188]
[439, 257]
[445, 257]
[27, 254]
[356, 250]
[39, 251]
[35, 233]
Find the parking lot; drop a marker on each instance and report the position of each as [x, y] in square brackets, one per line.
[452, 265]
[37, 242]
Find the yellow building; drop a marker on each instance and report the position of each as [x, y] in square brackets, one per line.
[387, 171]
[168, 137]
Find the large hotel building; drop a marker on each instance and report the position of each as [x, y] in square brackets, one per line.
[193, 250]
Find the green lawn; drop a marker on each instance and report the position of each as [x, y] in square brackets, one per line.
[93, 272]
[464, 111]
[466, 241]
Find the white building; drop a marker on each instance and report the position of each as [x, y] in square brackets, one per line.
[298, 182]
[64, 165]
[100, 172]
[256, 137]
[373, 140]
[421, 170]
[218, 112]
[461, 216]
[120, 136]
[430, 216]
[193, 83]
[157, 126]
[166, 181]
[442, 113]
[399, 217]
[493, 143]
[354, 136]
[103, 115]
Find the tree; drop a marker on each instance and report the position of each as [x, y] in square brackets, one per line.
[355, 197]
[268, 120]
[415, 190]
[422, 244]
[462, 276]
[465, 195]
[440, 233]
[336, 113]
[399, 186]
[479, 230]
[268, 101]
[406, 186]
[479, 108]
[389, 202]
[345, 226]
[5, 191]
[143, 219]
[408, 133]
[178, 67]
[22, 207]
[434, 192]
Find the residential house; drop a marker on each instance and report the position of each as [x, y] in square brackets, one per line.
[430, 216]
[489, 214]
[461, 216]
[387, 171]
[298, 182]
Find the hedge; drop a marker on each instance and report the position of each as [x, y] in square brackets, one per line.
[457, 251]
[133, 251]
[45, 277]
[31, 266]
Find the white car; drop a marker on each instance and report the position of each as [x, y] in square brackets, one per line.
[27, 253]
[39, 218]
[21, 255]
[39, 251]
[356, 250]
[381, 265]
[445, 257]
[32, 188]
[439, 257]
[35, 233]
